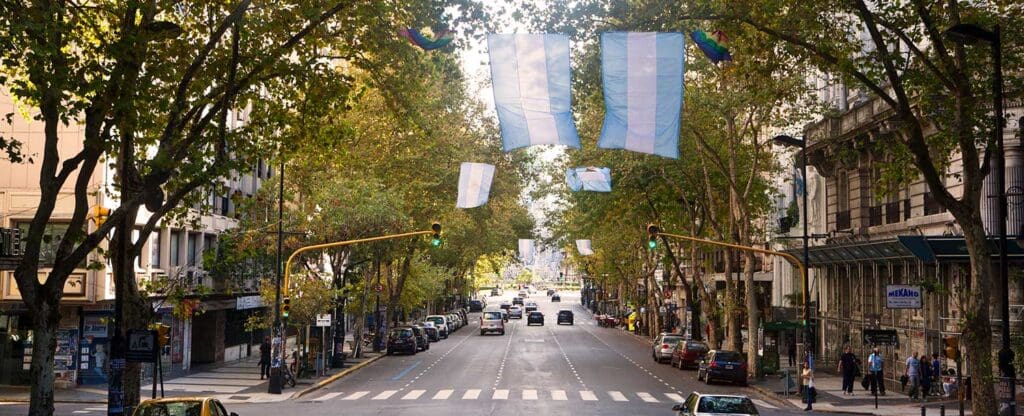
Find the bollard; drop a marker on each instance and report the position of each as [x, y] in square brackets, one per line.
[942, 410]
[923, 411]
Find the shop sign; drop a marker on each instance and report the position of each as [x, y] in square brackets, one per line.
[248, 302]
[902, 297]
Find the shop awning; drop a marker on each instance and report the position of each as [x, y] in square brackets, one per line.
[929, 249]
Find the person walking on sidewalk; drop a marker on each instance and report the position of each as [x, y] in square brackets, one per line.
[913, 373]
[807, 379]
[926, 377]
[265, 358]
[848, 368]
[875, 367]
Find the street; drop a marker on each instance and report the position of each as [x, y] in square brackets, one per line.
[550, 369]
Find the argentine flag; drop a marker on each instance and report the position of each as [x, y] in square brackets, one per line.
[526, 250]
[643, 92]
[531, 79]
[583, 246]
[589, 179]
[474, 184]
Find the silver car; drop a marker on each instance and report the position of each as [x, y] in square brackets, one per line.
[492, 321]
[664, 346]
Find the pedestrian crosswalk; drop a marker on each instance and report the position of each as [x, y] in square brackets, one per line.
[507, 394]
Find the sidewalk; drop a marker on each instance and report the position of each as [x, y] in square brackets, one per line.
[832, 399]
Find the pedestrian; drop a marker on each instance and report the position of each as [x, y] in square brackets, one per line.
[875, 363]
[807, 380]
[936, 368]
[265, 358]
[913, 374]
[792, 350]
[926, 377]
[848, 368]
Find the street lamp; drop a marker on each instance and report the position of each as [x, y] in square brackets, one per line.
[802, 145]
[966, 33]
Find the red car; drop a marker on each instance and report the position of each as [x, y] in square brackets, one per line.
[688, 354]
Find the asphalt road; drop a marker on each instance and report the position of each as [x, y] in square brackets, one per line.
[545, 370]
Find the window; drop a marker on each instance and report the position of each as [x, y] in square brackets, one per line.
[843, 191]
[209, 243]
[175, 248]
[192, 249]
[52, 235]
[154, 249]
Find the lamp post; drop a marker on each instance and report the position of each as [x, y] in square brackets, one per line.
[277, 349]
[802, 145]
[973, 34]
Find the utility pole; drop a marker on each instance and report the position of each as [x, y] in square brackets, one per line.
[274, 385]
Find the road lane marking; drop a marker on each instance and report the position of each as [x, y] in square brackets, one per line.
[588, 395]
[471, 394]
[81, 411]
[559, 395]
[618, 396]
[406, 371]
[413, 394]
[500, 395]
[762, 403]
[443, 394]
[384, 395]
[529, 394]
[356, 395]
[646, 397]
[675, 397]
[327, 396]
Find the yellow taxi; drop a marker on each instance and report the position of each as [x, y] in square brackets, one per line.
[182, 406]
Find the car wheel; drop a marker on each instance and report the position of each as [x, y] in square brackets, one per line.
[502, 332]
[482, 332]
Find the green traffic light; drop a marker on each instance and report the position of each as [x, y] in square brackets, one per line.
[436, 242]
[652, 244]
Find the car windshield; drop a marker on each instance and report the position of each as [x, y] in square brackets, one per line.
[727, 356]
[436, 320]
[565, 313]
[699, 346]
[184, 408]
[492, 316]
[401, 333]
[536, 314]
[671, 340]
[741, 405]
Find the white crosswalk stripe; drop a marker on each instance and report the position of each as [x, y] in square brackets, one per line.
[443, 394]
[471, 394]
[500, 395]
[384, 395]
[618, 396]
[675, 397]
[529, 394]
[328, 396]
[413, 395]
[763, 404]
[645, 396]
[559, 395]
[588, 395]
[356, 395]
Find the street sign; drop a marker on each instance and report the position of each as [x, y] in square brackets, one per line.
[248, 302]
[881, 337]
[142, 346]
[323, 320]
[902, 297]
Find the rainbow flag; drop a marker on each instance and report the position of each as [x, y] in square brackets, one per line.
[713, 45]
[443, 38]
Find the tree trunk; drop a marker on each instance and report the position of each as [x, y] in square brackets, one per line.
[136, 312]
[977, 329]
[45, 320]
[732, 317]
[708, 305]
[752, 311]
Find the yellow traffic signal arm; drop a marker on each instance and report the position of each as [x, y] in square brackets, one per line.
[435, 229]
[792, 259]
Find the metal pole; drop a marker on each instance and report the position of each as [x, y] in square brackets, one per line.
[274, 386]
[1006, 353]
[807, 262]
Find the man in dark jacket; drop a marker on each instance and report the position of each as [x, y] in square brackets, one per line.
[848, 368]
[265, 358]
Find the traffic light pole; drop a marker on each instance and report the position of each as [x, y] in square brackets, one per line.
[277, 348]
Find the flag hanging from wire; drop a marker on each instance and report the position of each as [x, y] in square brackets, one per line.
[474, 184]
[531, 80]
[589, 179]
[643, 91]
[583, 246]
[526, 250]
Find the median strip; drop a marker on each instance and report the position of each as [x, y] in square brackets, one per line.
[336, 377]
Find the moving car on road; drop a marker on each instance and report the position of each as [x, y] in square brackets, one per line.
[565, 316]
[535, 317]
[495, 292]
[198, 406]
[517, 300]
[476, 305]
[505, 305]
[491, 321]
[698, 404]
[523, 293]
[556, 298]
[723, 365]
[530, 306]
[441, 322]
[664, 345]
[401, 339]
[688, 353]
[515, 312]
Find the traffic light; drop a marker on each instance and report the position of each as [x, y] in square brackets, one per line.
[286, 308]
[436, 238]
[99, 214]
[952, 350]
[163, 334]
[652, 236]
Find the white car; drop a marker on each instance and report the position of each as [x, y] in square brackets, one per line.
[441, 322]
[698, 404]
[492, 321]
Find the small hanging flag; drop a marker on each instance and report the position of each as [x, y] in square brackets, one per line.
[798, 182]
[643, 92]
[713, 45]
[589, 179]
[474, 184]
[530, 77]
[526, 250]
[442, 38]
[583, 246]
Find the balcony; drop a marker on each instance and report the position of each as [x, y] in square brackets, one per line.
[843, 220]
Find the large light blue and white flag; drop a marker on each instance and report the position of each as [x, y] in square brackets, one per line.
[643, 91]
[526, 250]
[531, 81]
[474, 184]
[589, 179]
[583, 246]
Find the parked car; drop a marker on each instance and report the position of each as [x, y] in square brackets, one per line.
[698, 404]
[535, 317]
[441, 322]
[476, 305]
[722, 366]
[198, 406]
[556, 298]
[456, 324]
[664, 345]
[688, 354]
[491, 321]
[515, 312]
[422, 341]
[431, 330]
[517, 300]
[505, 305]
[565, 316]
[401, 339]
[530, 306]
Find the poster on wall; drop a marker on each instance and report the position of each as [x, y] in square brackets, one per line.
[67, 348]
[94, 326]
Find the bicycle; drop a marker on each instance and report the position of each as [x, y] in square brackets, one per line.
[287, 377]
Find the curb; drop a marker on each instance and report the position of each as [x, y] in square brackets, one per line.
[335, 377]
[772, 396]
[65, 401]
